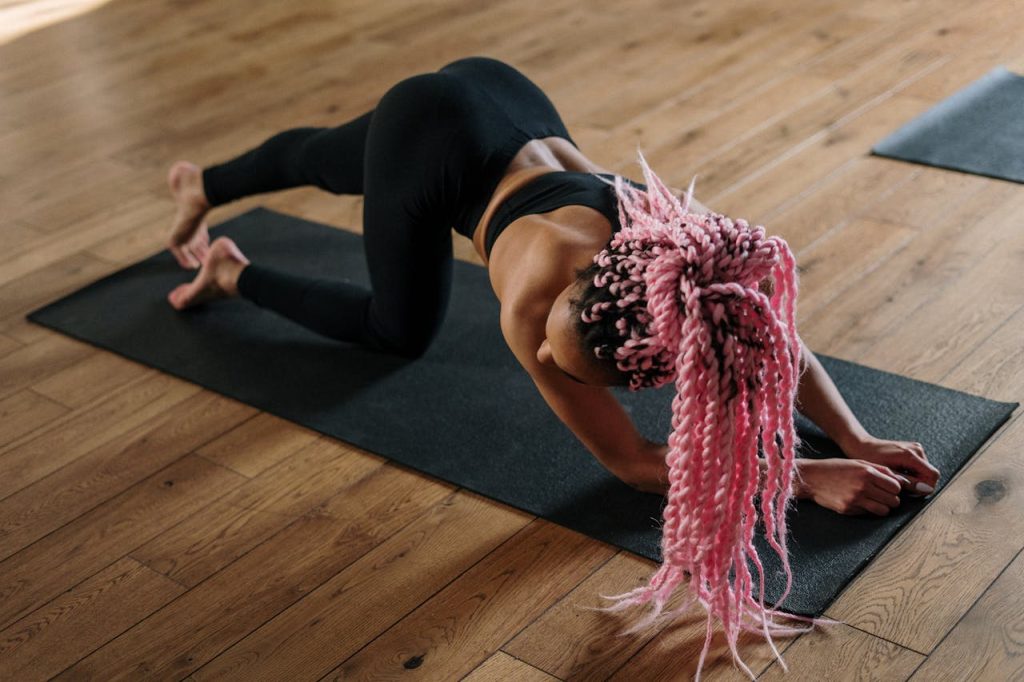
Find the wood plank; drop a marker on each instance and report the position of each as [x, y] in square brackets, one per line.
[995, 369]
[864, 316]
[56, 200]
[955, 548]
[107, 532]
[27, 411]
[36, 456]
[62, 137]
[140, 89]
[752, 152]
[345, 613]
[800, 166]
[689, 130]
[342, 89]
[500, 666]
[25, 332]
[89, 380]
[878, 9]
[36, 362]
[926, 198]
[258, 444]
[958, 73]
[451, 633]
[985, 644]
[8, 344]
[837, 198]
[979, 38]
[211, 539]
[844, 653]
[841, 258]
[106, 471]
[47, 284]
[674, 652]
[419, 21]
[720, 36]
[915, 24]
[930, 342]
[569, 641]
[747, 45]
[103, 36]
[17, 234]
[68, 235]
[82, 619]
[216, 614]
[206, 542]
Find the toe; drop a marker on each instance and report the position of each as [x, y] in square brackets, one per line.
[179, 256]
[176, 297]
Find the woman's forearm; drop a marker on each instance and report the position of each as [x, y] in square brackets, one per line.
[817, 398]
[654, 476]
[820, 401]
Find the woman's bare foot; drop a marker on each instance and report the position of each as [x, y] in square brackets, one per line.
[189, 238]
[217, 278]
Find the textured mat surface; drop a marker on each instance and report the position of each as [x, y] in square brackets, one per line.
[979, 129]
[467, 412]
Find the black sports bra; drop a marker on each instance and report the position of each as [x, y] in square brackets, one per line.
[554, 190]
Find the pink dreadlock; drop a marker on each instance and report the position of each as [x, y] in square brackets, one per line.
[683, 292]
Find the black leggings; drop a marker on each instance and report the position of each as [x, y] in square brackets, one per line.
[426, 159]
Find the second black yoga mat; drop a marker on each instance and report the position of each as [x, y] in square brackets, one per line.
[979, 129]
[467, 412]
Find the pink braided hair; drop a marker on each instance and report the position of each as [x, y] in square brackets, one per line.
[689, 309]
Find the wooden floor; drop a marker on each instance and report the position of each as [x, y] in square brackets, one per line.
[152, 529]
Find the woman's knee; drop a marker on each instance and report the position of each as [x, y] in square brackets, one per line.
[407, 338]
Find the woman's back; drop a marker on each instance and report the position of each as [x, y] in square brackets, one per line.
[537, 253]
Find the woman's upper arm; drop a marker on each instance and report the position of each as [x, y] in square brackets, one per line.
[596, 417]
[592, 413]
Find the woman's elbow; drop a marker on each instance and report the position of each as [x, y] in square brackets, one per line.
[655, 486]
[649, 476]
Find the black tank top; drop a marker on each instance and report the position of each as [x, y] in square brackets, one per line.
[554, 190]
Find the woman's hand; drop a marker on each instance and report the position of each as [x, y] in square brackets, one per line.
[901, 457]
[848, 486]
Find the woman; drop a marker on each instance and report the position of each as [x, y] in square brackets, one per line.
[600, 284]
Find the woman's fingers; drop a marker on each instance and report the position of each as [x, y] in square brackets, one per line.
[871, 507]
[882, 497]
[177, 255]
[886, 480]
[882, 493]
[184, 258]
[920, 464]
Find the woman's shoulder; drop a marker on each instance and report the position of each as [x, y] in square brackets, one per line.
[523, 258]
[531, 285]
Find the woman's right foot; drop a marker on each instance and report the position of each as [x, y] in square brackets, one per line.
[217, 278]
[189, 237]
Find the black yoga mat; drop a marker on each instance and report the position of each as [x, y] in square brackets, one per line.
[467, 412]
[979, 129]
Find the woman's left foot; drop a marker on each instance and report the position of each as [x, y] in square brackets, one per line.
[189, 237]
[217, 278]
